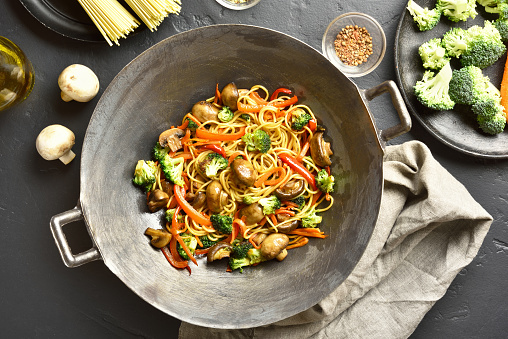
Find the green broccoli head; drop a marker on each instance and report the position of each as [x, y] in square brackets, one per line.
[241, 249]
[245, 116]
[300, 201]
[433, 54]
[248, 200]
[482, 53]
[466, 85]
[455, 41]
[502, 27]
[312, 220]
[425, 18]
[173, 169]
[495, 6]
[222, 223]
[225, 114]
[159, 152]
[487, 106]
[324, 181]
[191, 243]
[145, 174]
[192, 125]
[457, 10]
[270, 204]
[432, 90]
[299, 119]
[212, 164]
[207, 242]
[235, 264]
[169, 215]
[254, 255]
[259, 140]
[493, 124]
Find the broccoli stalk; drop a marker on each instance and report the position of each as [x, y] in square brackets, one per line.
[432, 90]
[433, 54]
[425, 18]
[270, 204]
[299, 119]
[324, 181]
[259, 140]
[191, 243]
[495, 6]
[222, 223]
[144, 174]
[457, 10]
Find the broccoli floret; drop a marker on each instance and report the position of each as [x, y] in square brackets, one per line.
[457, 10]
[254, 255]
[169, 215]
[432, 90]
[482, 53]
[144, 174]
[222, 223]
[487, 106]
[192, 125]
[245, 116]
[495, 6]
[492, 125]
[502, 27]
[235, 264]
[248, 200]
[433, 54]
[191, 243]
[212, 164]
[455, 41]
[159, 152]
[270, 204]
[425, 18]
[225, 114]
[173, 169]
[207, 242]
[259, 140]
[324, 181]
[466, 85]
[240, 250]
[299, 119]
[300, 201]
[312, 220]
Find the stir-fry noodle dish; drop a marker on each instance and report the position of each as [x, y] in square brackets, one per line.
[243, 179]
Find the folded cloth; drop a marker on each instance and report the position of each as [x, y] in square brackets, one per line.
[429, 228]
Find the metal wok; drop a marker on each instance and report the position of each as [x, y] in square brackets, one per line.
[152, 93]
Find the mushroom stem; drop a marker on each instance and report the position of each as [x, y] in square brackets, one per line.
[67, 157]
[65, 97]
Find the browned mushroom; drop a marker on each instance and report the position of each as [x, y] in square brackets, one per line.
[204, 111]
[167, 187]
[287, 227]
[290, 190]
[252, 213]
[229, 96]
[218, 251]
[171, 138]
[243, 172]
[199, 200]
[157, 200]
[258, 238]
[320, 150]
[273, 245]
[160, 238]
[216, 198]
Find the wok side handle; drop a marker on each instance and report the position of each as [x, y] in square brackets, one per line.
[399, 105]
[69, 259]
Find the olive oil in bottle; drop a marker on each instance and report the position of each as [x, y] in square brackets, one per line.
[16, 74]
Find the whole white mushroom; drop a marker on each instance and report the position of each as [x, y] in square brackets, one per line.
[55, 142]
[79, 83]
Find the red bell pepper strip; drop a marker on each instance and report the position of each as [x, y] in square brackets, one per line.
[172, 260]
[256, 108]
[204, 134]
[191, 212]
[275, 94]
[312, 124]
[184, 125]
[174, 232]
[217, 98]
[298, 167]
[215, 148]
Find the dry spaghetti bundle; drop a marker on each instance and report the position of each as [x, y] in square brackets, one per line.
[115, 22]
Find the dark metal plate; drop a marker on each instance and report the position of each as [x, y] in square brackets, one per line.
[65, 17]
[457, 128]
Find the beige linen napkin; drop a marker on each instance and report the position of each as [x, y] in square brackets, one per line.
[429, 228]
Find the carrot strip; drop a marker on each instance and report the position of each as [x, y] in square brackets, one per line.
[184, 155]
[309, 233]
[264, 178]
[504, 89]
[301, 242]
[204, 134]
[254, 244]
[200, 244]
[273, 219]
[200, 251]
[291, 204]
[284, 211]
[234, 155]
[193, 118]
[184, 125]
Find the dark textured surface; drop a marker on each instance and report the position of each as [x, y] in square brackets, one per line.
[42, 298]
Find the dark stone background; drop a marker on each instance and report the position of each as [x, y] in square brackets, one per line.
[41, 298]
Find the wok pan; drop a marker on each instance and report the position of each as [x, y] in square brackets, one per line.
[152, 93]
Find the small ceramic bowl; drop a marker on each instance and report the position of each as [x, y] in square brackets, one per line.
[378, 43]
[231, 4]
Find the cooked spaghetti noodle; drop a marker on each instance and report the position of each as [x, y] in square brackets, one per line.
[288, 160]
